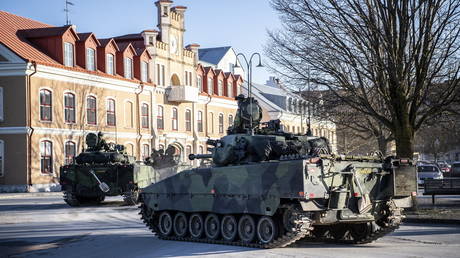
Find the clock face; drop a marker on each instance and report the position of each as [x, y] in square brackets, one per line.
[173, 44]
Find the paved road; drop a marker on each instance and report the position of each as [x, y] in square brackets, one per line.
[46, 227]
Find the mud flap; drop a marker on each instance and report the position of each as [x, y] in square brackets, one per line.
[404, 177]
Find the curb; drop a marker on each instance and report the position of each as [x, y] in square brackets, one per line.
[432, 221]
[25, 195]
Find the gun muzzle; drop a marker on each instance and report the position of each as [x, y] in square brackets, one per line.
[199, 156]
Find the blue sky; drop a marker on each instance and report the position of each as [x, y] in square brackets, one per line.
[210, 23]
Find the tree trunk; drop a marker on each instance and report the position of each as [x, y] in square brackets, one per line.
[382, 143]
[404, 138]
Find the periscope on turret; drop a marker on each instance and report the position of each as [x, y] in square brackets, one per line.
[268, 188]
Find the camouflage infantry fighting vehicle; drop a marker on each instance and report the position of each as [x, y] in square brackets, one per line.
[104, 170]
[268, 188]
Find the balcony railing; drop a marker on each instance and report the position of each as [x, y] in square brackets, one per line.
[183, 94]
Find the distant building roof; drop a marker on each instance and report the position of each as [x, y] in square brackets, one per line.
[212, 55]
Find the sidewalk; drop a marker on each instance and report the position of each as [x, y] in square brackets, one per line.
[29, 195]
[446, 210]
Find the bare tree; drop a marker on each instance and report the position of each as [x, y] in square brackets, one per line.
[397, 54]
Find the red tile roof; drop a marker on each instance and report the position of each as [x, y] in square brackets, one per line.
[13, 35]
[17, 42]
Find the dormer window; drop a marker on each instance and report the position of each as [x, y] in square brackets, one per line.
[128, 68]
[110, 64]
[144, 71]
[210, 86]
[90, 59]
[68, 54]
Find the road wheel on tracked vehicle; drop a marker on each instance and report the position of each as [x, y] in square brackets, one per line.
[247, 228]
[267, 230]
[212, 226]
[229, 228]
[165, 224]
[196, 225]
[180, 224]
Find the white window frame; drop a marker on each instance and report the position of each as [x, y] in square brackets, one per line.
[74, 108]
[65, 150]
[86, 109]
[90, 59]
[220, 88]
[128, 66]
[110, 64]
[69, 51]
[144, 71]
[52, 156]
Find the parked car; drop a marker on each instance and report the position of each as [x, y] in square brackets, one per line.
[445, 167]
[455, 169]
[428, 171]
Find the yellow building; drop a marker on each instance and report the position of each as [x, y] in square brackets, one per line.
[143, 90]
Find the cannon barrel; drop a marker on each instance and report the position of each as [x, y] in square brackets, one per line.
[199, 156]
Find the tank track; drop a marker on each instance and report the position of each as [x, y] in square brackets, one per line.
[378, 230]
[71, 199]
[301, 229]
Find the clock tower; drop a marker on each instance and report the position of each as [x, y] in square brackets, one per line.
[171, 25]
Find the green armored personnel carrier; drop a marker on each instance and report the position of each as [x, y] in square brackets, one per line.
[104, 170]
[268, 188]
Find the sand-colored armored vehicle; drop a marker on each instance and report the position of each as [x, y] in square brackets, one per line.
[268, 188]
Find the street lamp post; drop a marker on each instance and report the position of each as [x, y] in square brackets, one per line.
[249, 79]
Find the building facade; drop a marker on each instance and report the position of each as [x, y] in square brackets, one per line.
[143, 90]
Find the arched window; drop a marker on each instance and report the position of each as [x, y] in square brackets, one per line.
[69, 152]
[160, 119]
[69, 108]
[200, 121]
[188, 120]
[230, 120]
[221, 123]
[91, 110]
[201, 150]
[46, 105]
[111, 116]
[174, 119]
[129, 114]
[129, 149]
[145, 151]
[145, 115]
[46, 157]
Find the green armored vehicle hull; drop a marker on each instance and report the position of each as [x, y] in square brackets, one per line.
[81, 186]
[268, 189]
[104, 170]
